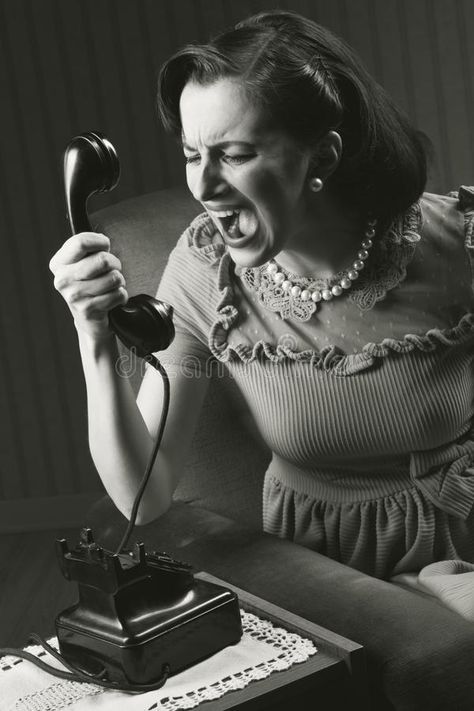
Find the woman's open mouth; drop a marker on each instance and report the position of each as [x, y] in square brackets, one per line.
[237, 227]
[229, 220]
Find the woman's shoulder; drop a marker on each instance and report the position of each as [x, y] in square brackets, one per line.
[448, 220]
[190, 279]
[441, 271]
[195, 262]
[446, 233]
[201, 240]
[461, 199]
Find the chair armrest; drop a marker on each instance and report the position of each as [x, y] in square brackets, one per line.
[419, 653]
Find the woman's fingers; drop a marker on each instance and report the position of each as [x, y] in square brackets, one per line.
[97, 307]
[77, 290]
[90, 280]
[92, 266]
[77, 247]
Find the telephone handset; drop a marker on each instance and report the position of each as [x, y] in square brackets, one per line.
[91, 165]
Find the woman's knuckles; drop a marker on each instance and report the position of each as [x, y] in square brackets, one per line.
[118, 278]
[88, 241]
[80, 252]
[97, 264]
[75, 294]
[63, 278]
[92, 267]
[123, 295]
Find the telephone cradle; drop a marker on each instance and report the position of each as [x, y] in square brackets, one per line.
[139, 611]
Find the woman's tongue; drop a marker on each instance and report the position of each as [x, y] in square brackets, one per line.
[246, 225]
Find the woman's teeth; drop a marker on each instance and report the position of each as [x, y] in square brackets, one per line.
[236, 224]
[233, 229]
[223, 213]
[229, 221]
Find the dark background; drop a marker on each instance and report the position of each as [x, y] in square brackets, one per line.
[67, 66]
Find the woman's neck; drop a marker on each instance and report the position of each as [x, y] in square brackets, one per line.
[328, 240]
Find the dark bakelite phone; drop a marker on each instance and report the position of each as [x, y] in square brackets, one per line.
[139, 613]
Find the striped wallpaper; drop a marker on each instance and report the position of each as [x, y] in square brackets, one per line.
[73, 65]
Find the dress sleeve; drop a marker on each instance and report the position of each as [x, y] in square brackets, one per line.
[181, 288]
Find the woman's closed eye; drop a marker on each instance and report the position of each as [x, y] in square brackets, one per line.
[195, 158]
[237, 159]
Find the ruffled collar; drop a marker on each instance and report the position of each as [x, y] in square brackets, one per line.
[394, 252]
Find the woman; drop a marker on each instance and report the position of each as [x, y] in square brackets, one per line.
[315, 255]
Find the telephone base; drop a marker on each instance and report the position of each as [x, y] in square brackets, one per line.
[138, 612]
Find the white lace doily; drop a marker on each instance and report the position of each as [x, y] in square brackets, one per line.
[263, 650]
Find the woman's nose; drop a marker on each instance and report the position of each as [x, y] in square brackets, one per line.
[207, 182]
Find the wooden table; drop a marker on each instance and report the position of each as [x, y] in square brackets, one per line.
[334, 679]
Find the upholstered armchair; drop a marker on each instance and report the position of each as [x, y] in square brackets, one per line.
[419, 654]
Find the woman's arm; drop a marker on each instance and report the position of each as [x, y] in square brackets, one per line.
[121, 437]
[122, 431]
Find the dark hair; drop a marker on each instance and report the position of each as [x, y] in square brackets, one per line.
[312, 82]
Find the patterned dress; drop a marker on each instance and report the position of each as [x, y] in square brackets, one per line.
[367, 403]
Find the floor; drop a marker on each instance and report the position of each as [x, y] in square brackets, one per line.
[32, 588]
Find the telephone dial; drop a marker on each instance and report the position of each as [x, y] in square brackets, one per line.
[141, 616]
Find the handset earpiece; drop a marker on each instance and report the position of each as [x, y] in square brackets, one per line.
[91, 165]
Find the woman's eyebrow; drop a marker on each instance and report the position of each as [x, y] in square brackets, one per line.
[222, 144]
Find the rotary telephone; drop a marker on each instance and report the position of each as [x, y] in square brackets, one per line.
[141, 616]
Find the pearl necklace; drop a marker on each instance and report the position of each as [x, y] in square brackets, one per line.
[345, 282]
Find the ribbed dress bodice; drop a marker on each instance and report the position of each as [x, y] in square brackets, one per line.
[368, 405]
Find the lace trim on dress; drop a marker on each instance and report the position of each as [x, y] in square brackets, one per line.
[400, 241]
[385, 269]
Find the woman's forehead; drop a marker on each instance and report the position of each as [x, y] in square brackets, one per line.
[221, 112]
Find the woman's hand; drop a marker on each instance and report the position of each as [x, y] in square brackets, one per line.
[90, 280]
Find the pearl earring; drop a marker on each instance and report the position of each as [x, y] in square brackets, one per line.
[316, 184]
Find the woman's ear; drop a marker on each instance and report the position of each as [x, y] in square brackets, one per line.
[327, 155]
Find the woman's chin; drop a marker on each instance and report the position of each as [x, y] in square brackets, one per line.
[252, 255]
